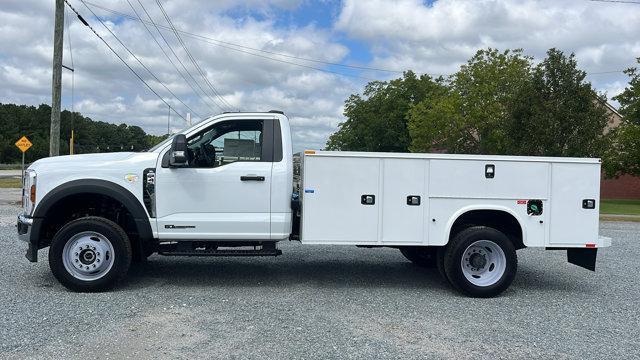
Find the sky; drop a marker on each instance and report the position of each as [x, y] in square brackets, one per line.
[299, 56]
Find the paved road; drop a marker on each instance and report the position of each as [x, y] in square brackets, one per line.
[323, 302]
[10, 173]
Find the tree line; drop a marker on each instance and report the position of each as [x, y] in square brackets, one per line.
[499, 102]
[90, 136]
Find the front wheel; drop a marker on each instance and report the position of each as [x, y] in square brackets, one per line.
[90, 254]
[480, 261]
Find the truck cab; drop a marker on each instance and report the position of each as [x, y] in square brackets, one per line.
[234, 184]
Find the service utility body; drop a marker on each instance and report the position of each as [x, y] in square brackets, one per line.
[231, 186]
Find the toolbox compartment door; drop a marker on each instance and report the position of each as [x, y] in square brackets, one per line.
[332, 208]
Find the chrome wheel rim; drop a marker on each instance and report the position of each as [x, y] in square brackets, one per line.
[88, 256]
[483, 263]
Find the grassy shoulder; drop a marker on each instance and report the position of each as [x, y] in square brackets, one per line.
[10, 183]
[620, 207]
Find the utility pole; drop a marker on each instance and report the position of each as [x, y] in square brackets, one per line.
[56, 86]
[169, 122]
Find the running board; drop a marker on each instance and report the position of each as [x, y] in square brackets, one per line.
[188, 248]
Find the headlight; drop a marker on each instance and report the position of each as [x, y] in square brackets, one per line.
[29, 192]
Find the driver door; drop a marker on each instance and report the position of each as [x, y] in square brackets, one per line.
[224, 193]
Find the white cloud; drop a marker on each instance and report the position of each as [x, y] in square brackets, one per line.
[404, 34]
[408, 34]
[106, 90]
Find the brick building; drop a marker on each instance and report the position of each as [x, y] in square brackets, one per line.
[624, 187]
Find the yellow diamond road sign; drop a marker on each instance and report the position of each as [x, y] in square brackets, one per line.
[23, 144]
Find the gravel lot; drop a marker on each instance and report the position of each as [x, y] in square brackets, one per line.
[323, 302]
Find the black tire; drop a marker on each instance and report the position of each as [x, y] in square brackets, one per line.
[453, 258]
[121, 257]
[424, 256]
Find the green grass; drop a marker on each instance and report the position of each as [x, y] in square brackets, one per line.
[620, 207]
[7, 183]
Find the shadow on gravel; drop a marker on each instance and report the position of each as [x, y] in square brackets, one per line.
[316, 273]
[565, 283]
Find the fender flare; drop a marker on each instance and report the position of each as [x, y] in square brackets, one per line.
[460, 212]
[92, 186]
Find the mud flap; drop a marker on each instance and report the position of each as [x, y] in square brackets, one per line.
[585, 258]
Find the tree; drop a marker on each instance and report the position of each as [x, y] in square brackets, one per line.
[377, 121]
[629, 99]
[623, 157]
[470, 116]
[90, 136]
[557, 112]
[499, 103]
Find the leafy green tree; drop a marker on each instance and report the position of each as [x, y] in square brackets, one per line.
[629, 99]
[469, 117]
[500, 103]
[623, 157]
[376, 121]
[557, 112]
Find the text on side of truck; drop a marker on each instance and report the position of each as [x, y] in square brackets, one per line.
[224, 188]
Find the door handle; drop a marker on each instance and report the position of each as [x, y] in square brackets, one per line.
[251, 178]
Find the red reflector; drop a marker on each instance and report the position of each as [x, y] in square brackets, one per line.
[522, 202]
[590, 245]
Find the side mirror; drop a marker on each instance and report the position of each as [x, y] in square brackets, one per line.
[178, 152]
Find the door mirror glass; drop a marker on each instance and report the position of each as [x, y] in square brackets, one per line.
[179, 156]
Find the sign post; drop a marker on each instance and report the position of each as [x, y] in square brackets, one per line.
[23, 144]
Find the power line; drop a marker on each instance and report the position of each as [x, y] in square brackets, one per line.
[359, 67]
[234, 47]
[193, 60]
[73, 72]
[166, 55]
[178, 58]
[138, 60]
[218, 43]
[617, 1]
[120, 57]
[605, 72]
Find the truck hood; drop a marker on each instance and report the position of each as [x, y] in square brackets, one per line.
[126, 161]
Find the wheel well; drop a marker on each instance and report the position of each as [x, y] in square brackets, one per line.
[497, 219]
[79, 205]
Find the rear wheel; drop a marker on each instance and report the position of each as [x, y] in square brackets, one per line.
[424, 256]
[90, 254]
[480, 261]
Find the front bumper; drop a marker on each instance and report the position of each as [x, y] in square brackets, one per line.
[25, 227]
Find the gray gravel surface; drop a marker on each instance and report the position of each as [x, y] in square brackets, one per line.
[323, 302]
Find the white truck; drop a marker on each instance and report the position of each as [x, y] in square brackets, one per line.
[229, 186]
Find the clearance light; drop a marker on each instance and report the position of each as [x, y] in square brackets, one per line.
[33, 194]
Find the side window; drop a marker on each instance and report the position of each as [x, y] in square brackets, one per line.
[227, 142]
